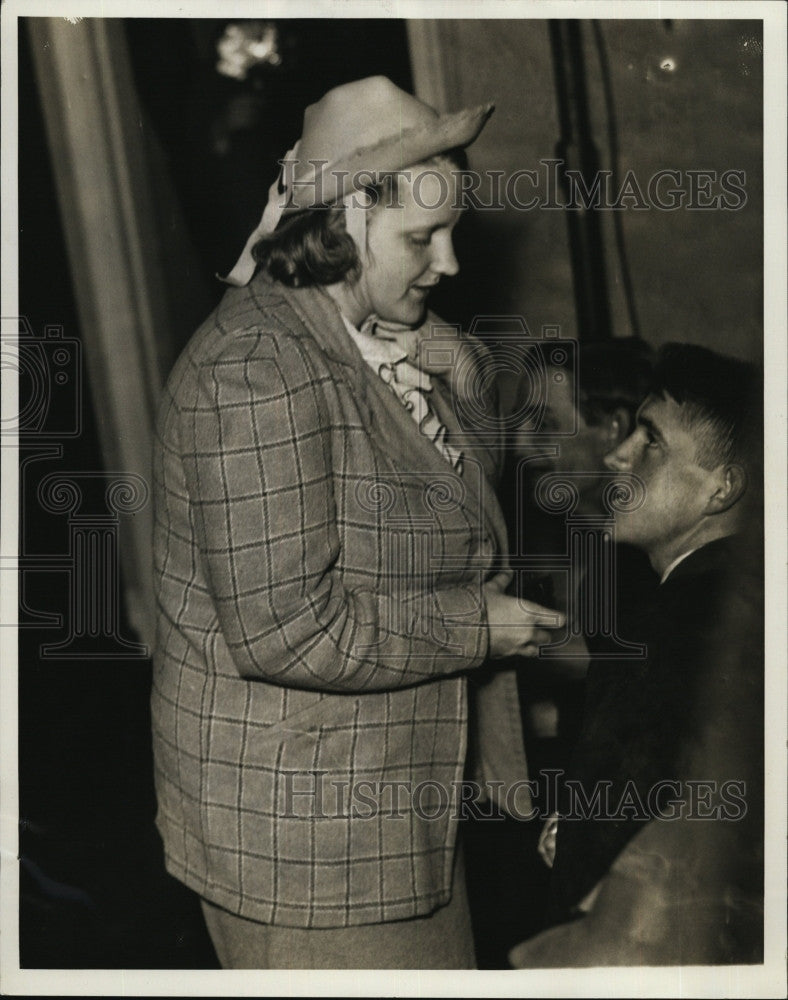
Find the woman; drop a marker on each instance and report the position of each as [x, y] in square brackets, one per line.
[326, 551]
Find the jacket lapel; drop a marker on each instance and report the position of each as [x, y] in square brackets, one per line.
[387, 420]
[479, 487]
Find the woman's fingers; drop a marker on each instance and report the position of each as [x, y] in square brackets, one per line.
[518, 628]
[547, 617]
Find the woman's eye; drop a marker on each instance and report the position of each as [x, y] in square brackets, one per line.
[420, 241]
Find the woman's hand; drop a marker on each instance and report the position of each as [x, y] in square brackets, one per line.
[517, 627]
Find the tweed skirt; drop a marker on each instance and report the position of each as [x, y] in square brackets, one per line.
[441, 940]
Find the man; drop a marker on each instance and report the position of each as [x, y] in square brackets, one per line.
[695, 450]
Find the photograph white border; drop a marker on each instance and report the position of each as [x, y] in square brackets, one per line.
[768, 980]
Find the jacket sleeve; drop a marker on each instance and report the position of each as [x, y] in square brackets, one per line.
[259, 472]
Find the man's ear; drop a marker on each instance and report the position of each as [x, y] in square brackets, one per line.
[618, 427]
[731, 485]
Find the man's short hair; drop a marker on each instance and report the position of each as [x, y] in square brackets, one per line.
[721, 399]
[612, 374]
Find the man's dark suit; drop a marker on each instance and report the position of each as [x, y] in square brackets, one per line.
[643, 717]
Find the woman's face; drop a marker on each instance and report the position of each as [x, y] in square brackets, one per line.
[409, 244]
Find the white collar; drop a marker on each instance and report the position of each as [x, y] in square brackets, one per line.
[675, 563]
[382, 352]
[689, 552]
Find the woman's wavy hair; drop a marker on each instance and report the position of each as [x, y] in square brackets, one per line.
[313, 246]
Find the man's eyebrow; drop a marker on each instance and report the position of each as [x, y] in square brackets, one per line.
[649, 424]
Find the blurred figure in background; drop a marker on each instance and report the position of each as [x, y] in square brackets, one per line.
[593, 411]
[588, 411]
[587, 414]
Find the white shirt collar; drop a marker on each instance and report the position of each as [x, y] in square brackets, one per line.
[389, 360]
[675, 563]
[384, 353]
[684, 555]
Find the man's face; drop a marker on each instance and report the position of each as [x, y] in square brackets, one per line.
[662, 453]
[409, 245]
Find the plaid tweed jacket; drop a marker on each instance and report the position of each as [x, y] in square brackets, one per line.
[318, 566]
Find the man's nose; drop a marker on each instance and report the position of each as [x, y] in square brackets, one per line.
[620, 459]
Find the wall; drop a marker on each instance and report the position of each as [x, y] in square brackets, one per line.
[685, 95]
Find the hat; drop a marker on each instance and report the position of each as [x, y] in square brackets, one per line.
[359, 129]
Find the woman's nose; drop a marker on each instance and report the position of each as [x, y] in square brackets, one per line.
[444, 261]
